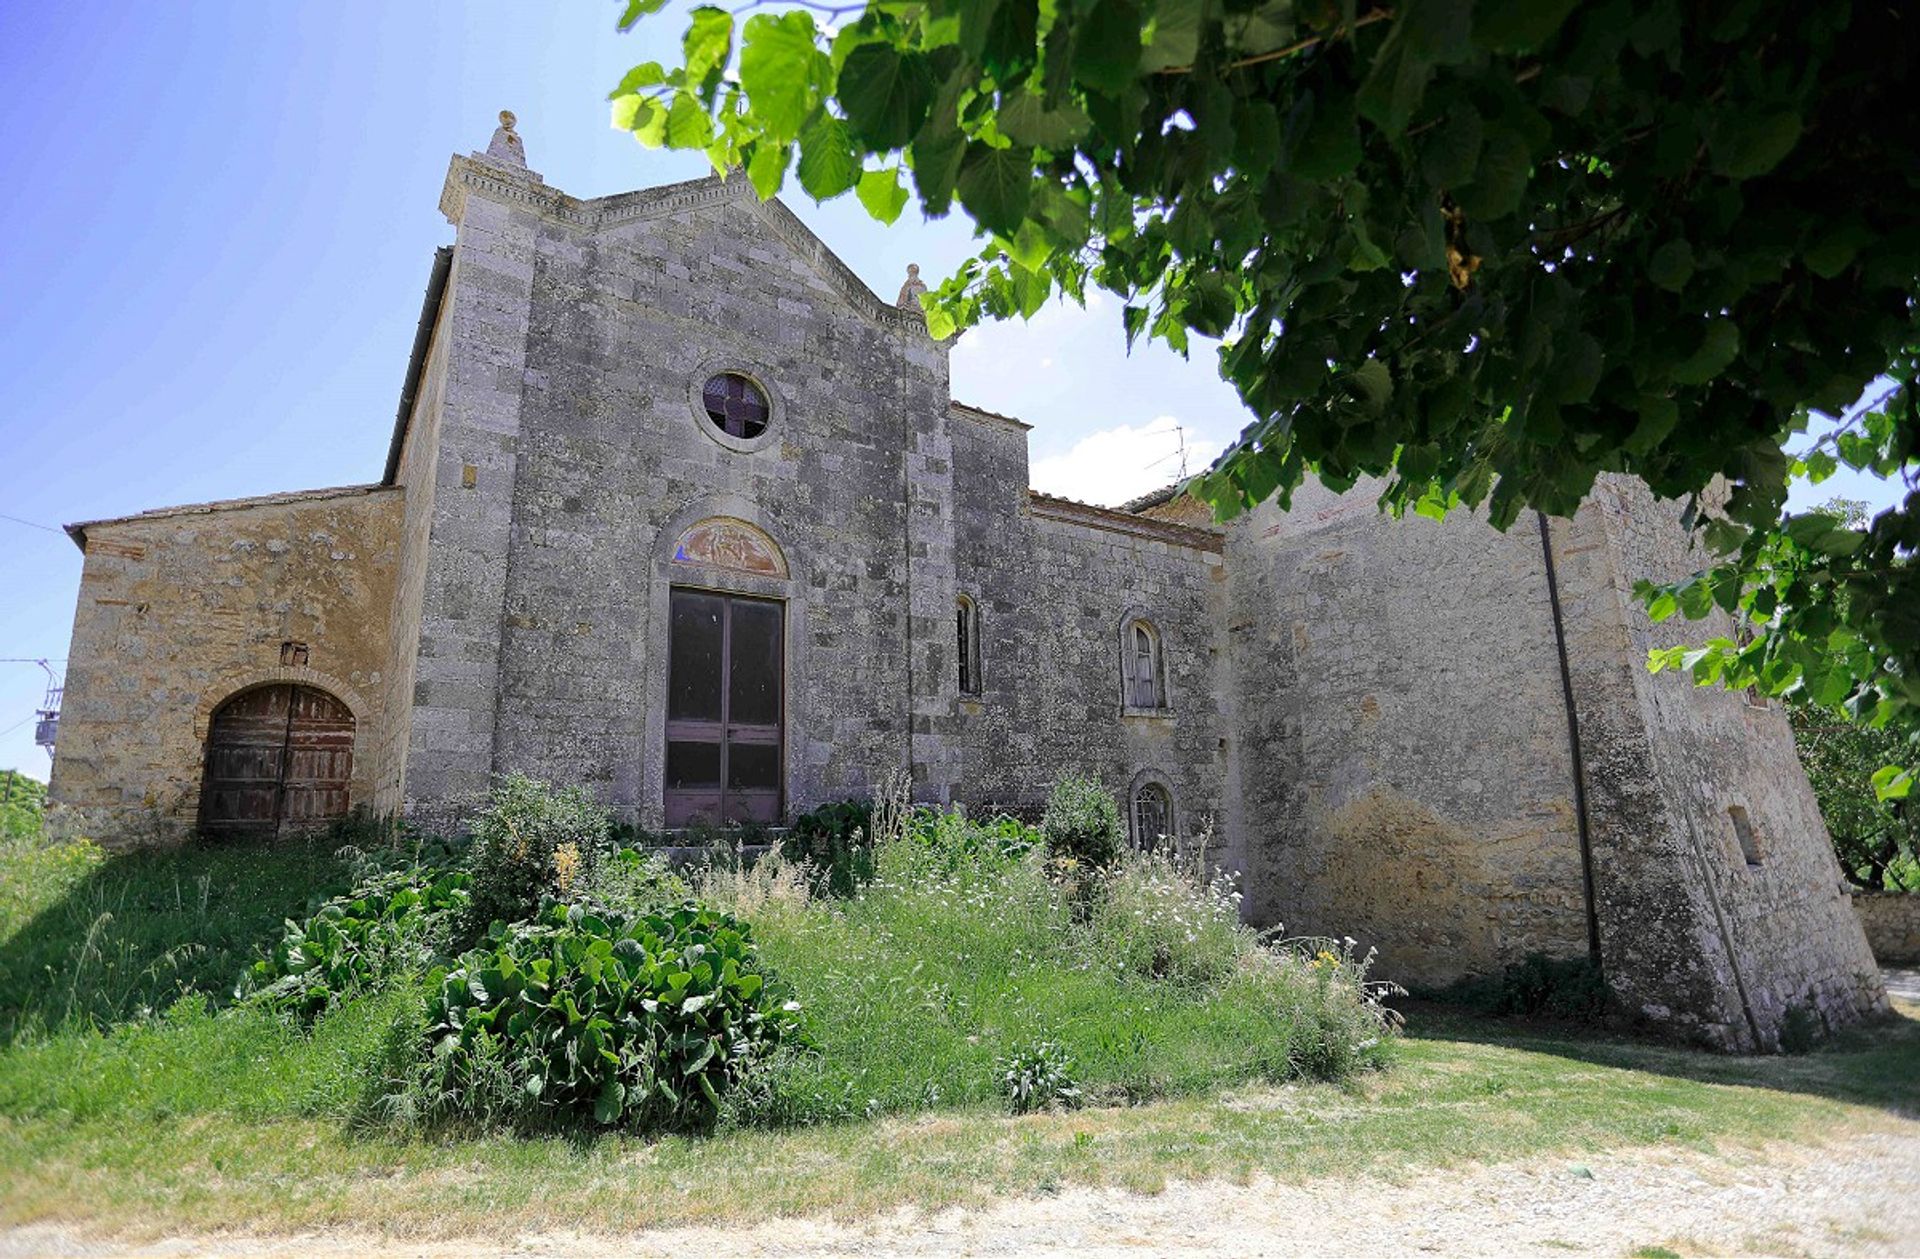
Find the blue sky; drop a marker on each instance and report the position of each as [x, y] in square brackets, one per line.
[217, 230]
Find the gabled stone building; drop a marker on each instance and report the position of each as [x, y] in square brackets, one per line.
[678, 509]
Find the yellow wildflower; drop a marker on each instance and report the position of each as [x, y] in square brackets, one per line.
[566, 866]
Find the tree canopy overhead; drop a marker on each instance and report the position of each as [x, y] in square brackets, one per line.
[1483, 251]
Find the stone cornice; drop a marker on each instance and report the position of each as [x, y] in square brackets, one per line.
[468, 175]
[980, 415]
[1047, 507]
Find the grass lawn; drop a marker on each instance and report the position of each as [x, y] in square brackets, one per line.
[1462, 1090]
[200, 1123]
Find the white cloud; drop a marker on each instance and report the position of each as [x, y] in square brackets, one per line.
[1112, 465]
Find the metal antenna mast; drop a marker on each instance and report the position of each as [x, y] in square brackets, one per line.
[1179, 452]
[47, 719]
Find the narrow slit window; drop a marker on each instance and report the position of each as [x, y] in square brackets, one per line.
[966, 618]
[1743, 832]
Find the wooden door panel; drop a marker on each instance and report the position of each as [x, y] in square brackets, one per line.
[726, 699]
[276, 756]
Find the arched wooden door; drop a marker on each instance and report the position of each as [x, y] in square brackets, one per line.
[277, 756]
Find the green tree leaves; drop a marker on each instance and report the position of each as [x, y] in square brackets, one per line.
[782, 71]
[828, 164]
[886, 93]
[995, 184]
[1748, 144]
[1719, 344]
[1569, 240]
[1671, 265]
[1106, 47]
[880, 192]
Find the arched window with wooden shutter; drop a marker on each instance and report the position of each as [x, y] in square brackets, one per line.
[1143, 681]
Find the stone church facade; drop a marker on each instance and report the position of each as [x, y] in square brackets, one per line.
[678, 509]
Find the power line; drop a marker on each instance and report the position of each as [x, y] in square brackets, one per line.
[31, 524]
[33, 659]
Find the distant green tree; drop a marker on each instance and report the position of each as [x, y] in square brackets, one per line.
[1483, 250]
[23, 801]
[1877, 841]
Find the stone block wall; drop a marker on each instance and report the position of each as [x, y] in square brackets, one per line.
[183, 608]
[609, 457]
[471, 462]
[1378, 718]
[1891, 921]
[419, 456]
[1055, 582]
[1698, 933]
[1402, 762]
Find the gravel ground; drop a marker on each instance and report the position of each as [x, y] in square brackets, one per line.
[1858, 1195]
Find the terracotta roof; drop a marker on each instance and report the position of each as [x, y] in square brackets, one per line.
[1165, 494]
[1120, 521]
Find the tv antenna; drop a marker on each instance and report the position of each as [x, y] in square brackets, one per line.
[1178, 452]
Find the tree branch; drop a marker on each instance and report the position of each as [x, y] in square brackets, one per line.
[1277, 54]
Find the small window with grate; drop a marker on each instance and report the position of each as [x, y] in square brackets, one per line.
[1152, 818]
[292, 653]
[736, 405]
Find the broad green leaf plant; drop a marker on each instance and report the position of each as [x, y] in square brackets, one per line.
[1483, 252]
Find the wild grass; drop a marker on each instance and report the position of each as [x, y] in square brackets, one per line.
[92, 939]
[956, 959]
[126, 1107]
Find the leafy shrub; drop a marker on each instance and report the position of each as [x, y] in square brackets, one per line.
[23, 801]
[369, 846]
[1539, 986]
[392, 924]
[532, 842]
[1877, 841]
[1082, 823]
[1038, 1075]
[635, 881]
[641, 1022]
[952, 838]
[837, 841]
[1800, 1030]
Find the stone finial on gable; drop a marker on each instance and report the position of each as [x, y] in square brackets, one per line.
[910, 292]
[505, 147]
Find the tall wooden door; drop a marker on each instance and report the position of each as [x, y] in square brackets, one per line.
[277, 756]
[726, 701]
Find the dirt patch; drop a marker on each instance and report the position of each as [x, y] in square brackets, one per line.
[1858, 1195]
